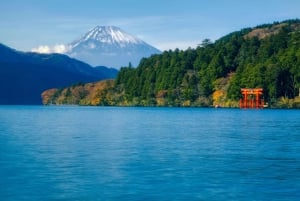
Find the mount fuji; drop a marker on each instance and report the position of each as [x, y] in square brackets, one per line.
[110, 46]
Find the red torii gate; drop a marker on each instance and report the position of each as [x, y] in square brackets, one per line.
[249, 101]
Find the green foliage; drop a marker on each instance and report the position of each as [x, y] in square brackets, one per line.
[270, 61]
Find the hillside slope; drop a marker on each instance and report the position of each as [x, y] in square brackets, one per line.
[266, 56]
[24, 76]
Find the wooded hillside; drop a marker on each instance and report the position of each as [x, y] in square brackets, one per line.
[267, 56]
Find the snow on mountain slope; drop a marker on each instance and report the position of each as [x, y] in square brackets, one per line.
[108, 34]
[110, 46]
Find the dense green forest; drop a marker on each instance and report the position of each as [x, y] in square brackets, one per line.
[267, 56]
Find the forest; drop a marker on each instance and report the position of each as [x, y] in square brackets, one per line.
[266, 56]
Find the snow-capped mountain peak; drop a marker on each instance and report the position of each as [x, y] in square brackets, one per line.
[110, 46]
[107, 34]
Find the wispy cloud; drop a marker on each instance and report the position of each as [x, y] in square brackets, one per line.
[51, 49]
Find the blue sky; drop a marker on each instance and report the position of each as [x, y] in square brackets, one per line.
[165, 24]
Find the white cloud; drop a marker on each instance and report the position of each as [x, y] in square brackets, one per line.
[42, 49]
[59, 48]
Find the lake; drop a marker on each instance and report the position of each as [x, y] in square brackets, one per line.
[112, 153]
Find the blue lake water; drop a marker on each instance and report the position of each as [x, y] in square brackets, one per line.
[111, 153]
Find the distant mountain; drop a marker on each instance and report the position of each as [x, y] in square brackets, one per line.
[110, 46]
[108, 73]
[24, 76]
